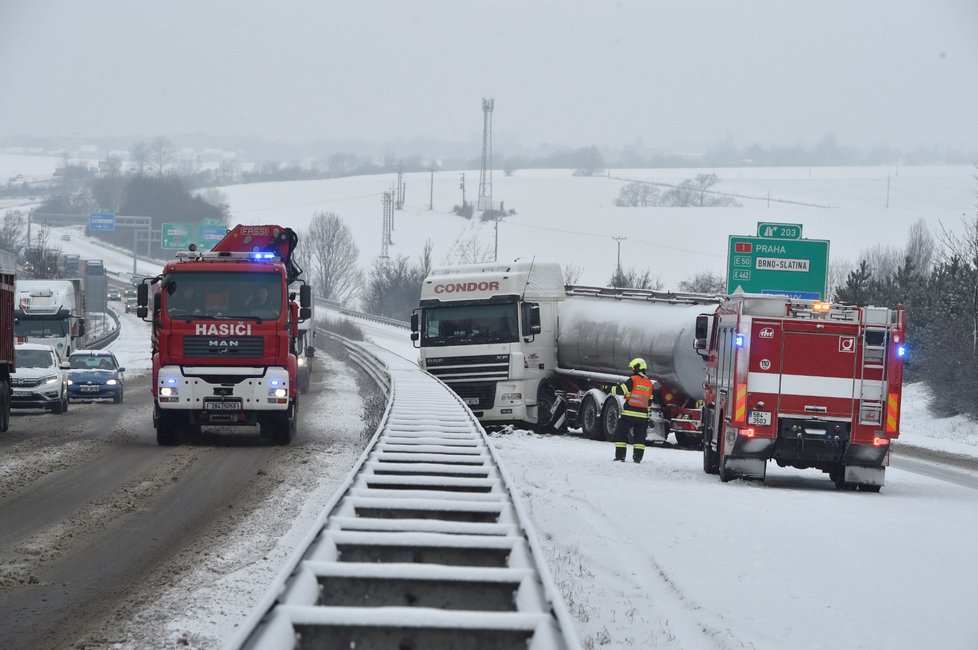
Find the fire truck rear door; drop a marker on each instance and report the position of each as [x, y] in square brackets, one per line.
[818, 369]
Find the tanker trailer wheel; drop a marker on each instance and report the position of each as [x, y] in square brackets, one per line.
[589, 416]
[609, 417]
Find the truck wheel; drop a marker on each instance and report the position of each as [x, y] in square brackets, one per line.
[725, 475]
[167, 432]
[546, 399]
[4, 406]
[711, 460]
[609, 417]
[302, 381]
[588, 418]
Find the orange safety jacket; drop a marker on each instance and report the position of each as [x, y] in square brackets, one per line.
[638, 395]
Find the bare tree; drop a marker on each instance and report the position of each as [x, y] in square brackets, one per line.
[882, 261]
[632, 279]
[333, 254]
[704, 282]
[469, 248]
[634, 195]
[47, 260]
[139, 156]
[12, 228]
[162, 151]
[572, 273]
[921, 247]
[837, 273]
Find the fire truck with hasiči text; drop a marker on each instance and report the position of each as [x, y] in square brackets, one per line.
[224, 330]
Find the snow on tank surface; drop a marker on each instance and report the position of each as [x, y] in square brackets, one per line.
[603, 334]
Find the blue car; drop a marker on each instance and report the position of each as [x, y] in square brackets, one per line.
[95, 374]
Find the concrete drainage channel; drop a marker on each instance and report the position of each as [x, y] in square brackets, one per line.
[423, 547]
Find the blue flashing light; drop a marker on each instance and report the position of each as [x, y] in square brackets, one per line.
[274, 382]
[263, 256]
[739, 340]
[170, 381]
[901, 351]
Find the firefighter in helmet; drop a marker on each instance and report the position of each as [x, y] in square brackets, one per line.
[637, 391]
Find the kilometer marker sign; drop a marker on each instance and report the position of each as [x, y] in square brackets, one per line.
[778, 263]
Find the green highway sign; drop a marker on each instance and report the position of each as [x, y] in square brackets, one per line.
[779, 230]
[794, 267]
[176, 235]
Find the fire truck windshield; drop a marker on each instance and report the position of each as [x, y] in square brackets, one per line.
[470, 325]
[223, 295]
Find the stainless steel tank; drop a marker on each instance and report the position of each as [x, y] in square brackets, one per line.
[603, 334]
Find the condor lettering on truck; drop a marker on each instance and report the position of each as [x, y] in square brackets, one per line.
[223, 329]
[464, 287]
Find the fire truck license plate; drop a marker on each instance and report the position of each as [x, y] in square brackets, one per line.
[222, 406]
[759, 418]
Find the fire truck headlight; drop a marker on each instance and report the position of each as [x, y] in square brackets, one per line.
[278, 392]
[167, 391]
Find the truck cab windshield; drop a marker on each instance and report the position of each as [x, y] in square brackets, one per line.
[470, 325]
[223, 295]
[40, 327]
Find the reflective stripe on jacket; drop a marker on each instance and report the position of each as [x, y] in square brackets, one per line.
[638, 395]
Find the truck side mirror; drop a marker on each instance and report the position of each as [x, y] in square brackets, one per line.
[531, 320]
[414, 324]
[142, 294]
[699, 337]
[305, 298]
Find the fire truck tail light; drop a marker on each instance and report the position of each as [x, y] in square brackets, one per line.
[747, 433]
[879, 442]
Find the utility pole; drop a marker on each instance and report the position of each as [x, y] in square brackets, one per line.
[462, 185]
[385, 241]
[618, 269]
[431, 192]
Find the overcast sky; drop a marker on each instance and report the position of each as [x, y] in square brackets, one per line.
[667, 73]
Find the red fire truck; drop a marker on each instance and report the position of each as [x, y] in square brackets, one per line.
[224, 335]
[805, 383]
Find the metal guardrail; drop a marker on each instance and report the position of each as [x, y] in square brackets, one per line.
[424, 546]
[335, 306]
[104, 340]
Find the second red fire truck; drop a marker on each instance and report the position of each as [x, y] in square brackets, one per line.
[804, 383]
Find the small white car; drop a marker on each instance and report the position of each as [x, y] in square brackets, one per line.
[40, 379]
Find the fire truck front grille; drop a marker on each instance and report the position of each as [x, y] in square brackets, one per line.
[214, 347]
[452, 370]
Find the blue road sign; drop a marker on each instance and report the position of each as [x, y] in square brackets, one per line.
[101, 221]
[804, 295]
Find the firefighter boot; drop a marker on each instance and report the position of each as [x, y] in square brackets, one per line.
[637, 453]
[620, 451]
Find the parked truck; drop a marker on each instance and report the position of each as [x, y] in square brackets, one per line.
[51, 312]
[220, 356]
[8, 266]
[804, 383]
[306, 348]
[520, 347]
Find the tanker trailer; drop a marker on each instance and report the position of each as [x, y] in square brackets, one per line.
[600, 330]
